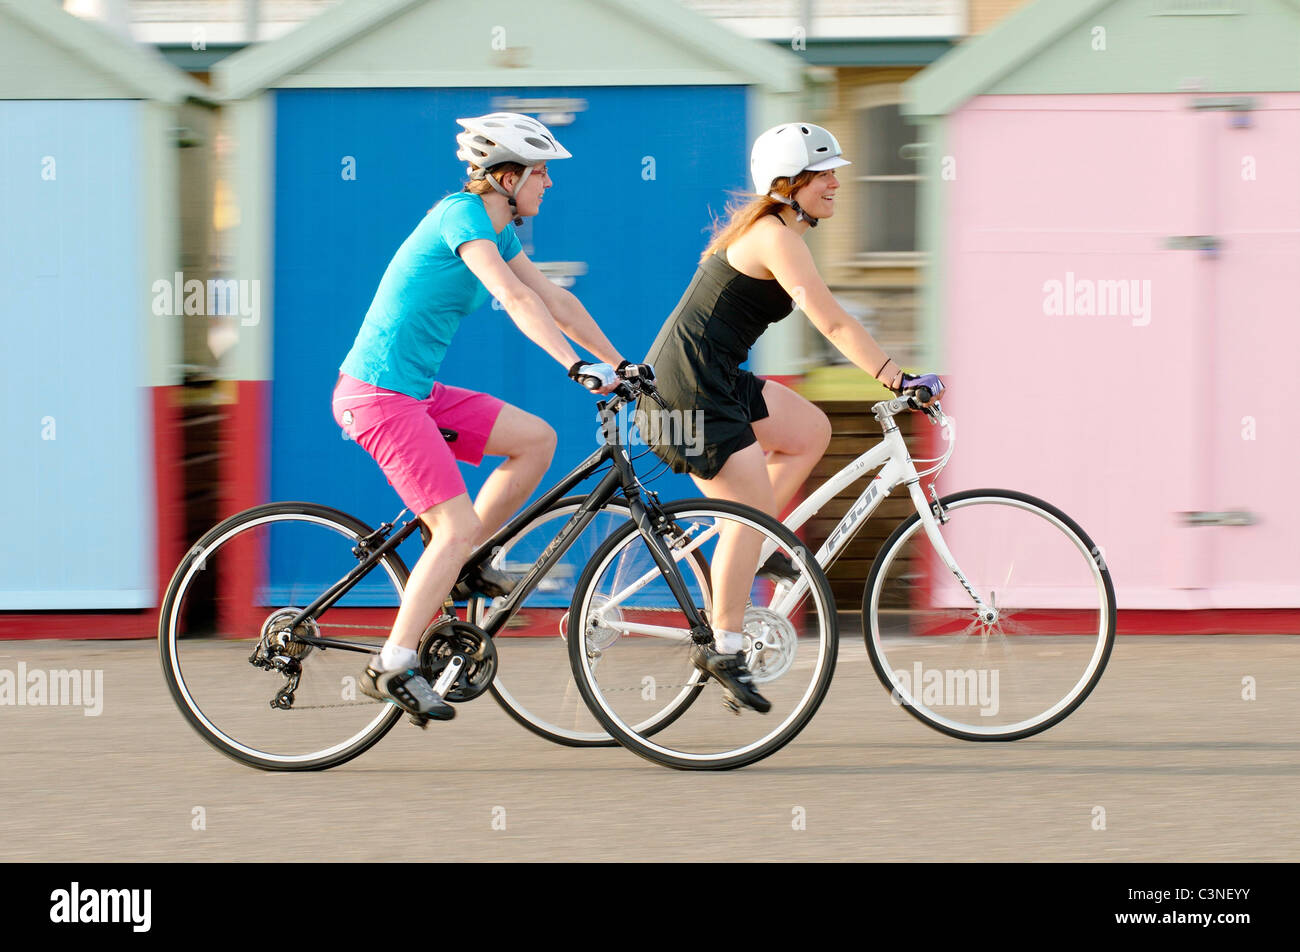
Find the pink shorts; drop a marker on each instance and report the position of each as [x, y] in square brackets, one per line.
[402, 434]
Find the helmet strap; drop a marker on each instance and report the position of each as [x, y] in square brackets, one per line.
[799, 213]
[510, 196]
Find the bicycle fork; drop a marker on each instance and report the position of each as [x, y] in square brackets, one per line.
[648, 519]
[930, 518]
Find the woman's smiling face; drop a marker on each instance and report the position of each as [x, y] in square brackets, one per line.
[817, 198]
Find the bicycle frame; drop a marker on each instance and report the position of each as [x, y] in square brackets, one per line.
[896, 468]
[621, 477]
[891, 456]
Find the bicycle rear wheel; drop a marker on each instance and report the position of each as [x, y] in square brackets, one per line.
[631, 652]
[1035, 653]
[224, 621]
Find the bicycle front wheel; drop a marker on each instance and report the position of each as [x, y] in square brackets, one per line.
[630, 642]
[1026, 654]
[231, 662]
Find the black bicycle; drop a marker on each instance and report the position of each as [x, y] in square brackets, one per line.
[265, 619]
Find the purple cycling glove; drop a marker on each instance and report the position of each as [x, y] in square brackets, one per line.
[929, 381]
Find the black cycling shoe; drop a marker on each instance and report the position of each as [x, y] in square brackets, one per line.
[484, 580]
[779, 567]
[729, 671]
[406, 688]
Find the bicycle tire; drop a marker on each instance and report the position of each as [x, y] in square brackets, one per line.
[915, 627]
[176, 604]
[687, 515]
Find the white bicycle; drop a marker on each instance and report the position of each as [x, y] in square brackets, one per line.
[988, 614]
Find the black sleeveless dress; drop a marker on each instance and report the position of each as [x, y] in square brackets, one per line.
[697, 358]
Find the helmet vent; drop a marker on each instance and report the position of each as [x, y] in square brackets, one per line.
[805, 130]
[537, 143]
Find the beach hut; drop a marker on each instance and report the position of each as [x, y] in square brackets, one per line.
[1112, 219]
[91, 186]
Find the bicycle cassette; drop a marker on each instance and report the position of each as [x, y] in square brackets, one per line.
[449, 639]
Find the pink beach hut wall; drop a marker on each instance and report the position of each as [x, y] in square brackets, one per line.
[1111, 208]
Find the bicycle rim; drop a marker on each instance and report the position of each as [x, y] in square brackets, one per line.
[239, 586]
[635, 651]
[1029, 661]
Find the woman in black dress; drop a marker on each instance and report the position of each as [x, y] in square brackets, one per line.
[760, 439]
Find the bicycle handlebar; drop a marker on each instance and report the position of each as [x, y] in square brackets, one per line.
[629, 389]
[914, 399]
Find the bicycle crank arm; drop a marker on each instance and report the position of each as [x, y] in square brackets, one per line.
[449, 675]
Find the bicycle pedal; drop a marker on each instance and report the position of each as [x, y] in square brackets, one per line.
[419, 720]
[730, 703]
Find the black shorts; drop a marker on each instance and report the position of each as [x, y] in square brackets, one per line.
[705, 427]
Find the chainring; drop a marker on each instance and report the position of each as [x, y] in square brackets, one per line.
[771, 644]
[447, 638]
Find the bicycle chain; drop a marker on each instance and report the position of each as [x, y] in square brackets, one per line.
[321, 707]
[658, 687]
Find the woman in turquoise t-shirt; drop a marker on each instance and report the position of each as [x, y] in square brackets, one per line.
[388, 401]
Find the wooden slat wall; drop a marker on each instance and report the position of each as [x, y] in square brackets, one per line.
[854, 430]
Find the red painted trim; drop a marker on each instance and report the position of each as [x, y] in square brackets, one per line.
[245, 457]
[245, 449]
[169, 526]
[1212, 621]
[88, 625]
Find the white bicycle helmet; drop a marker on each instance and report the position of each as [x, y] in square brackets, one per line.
[788, 149]
[506, 137]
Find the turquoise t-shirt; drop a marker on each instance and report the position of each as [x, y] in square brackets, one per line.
[425, 292]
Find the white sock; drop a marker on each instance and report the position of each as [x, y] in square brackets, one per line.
[394, 658]
[728, 642]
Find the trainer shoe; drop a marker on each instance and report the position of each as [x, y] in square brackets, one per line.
[729, 670]
[406, 688]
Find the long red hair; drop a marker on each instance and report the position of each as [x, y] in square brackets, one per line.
[749, 208]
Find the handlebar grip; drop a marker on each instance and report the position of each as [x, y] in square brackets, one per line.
[922, 396]
[590, 382]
